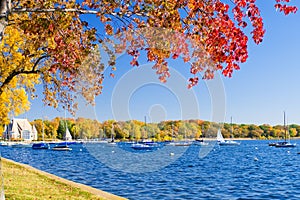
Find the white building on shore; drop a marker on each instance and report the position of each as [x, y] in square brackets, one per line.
[20, 129]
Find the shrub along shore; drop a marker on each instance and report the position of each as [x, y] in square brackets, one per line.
[25, 182]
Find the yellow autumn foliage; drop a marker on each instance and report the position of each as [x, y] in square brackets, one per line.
[48, 48]
[14, 97]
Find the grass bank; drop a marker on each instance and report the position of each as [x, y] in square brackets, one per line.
[23, 182]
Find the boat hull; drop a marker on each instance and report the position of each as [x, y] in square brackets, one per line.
[42, 145]
[141, 146]
[284, 145]
[229, 143]
[61, 149]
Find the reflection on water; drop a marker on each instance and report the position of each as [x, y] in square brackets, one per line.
[252, 170]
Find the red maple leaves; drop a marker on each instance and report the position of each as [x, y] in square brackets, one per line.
[283, 7]
[203, 33]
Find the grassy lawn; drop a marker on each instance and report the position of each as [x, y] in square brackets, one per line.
[22, 182]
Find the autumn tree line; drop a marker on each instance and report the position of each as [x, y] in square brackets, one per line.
[82, 128]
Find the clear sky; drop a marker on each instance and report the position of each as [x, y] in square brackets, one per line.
[267, 84]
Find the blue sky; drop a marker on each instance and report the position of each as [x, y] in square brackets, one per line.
[267, 84]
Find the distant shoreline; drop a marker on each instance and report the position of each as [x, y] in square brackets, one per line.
[293, 138]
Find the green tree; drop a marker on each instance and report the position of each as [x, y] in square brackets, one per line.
[61, 129]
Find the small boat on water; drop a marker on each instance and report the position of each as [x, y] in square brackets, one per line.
[141, 146]
[112, 142]
[285, 143]
[146, 146]
[178, 143]
[272, 144]
[229, 143]
[183, 144]
[200, 142]
[63, 146]
[41, 145]
[223, 142]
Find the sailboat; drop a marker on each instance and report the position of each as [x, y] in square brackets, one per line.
[171, 143]
[201, 141]
[145, 144]
[285, 143]
[222, 142]
[112, 141]
[63, 146]
[185, 142]
[43, 144]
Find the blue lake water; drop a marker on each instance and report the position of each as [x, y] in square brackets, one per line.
[252, 170]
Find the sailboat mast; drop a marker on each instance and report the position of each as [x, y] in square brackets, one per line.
[112, 132]
[231, 126]
[287, 130]
[65, 125]
[147, 136]
[43, 129]
[172, 132]
[284, 125]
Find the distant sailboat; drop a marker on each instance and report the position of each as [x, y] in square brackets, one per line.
[43, 144]
[201, 141]
[285, 143]
[222, 142]
[171, 143]
[145, 144]
[112, 141]
[185, 142]
[63, 146]
[68, 136]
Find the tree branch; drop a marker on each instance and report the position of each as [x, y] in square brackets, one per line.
[45, 10]
[22, 71]
[80, 11]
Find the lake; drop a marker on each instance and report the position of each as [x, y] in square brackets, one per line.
[252, 170]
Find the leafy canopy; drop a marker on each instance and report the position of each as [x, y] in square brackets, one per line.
[47, 42]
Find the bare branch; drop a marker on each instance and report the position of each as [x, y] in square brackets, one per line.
[41, 10]
[80, 11]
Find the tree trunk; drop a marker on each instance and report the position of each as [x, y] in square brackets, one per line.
[4, 9]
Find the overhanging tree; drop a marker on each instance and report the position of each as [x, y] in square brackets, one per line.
[46, 41]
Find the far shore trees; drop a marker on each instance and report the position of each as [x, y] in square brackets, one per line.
[134, 130]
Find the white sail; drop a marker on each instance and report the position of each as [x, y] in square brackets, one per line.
[68, 134]
[220, 136]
